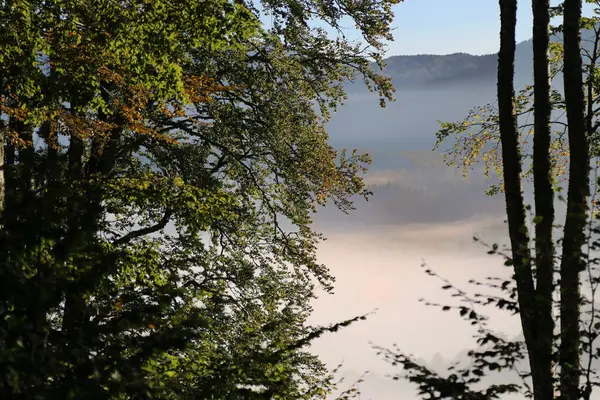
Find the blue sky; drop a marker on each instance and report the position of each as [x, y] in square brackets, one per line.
[451, 26]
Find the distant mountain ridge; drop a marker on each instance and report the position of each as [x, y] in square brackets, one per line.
[425, 69]
[433, 71]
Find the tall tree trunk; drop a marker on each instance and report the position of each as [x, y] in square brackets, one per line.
[52, 162]
[9, 178]
[26, 162]
[2, 166]
[74, 301]
[512, 167]
[542, 373]
[87, 210]
[578, 191]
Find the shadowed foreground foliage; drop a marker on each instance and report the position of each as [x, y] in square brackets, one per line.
[161, 163]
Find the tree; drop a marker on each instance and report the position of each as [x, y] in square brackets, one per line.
[162, 161]
[572, 263]
[531, 291]
[540, 343]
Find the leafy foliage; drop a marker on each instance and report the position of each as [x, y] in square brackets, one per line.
[494, 354]
[162, 163]
[476, 138]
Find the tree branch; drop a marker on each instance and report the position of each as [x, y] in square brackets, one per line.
[145, 231]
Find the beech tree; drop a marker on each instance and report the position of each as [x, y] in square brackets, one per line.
[161, 164]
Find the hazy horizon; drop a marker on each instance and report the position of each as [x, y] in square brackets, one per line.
[421, 211]
[429, 213]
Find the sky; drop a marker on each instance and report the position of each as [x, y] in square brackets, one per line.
[453, 26]
[448, 26]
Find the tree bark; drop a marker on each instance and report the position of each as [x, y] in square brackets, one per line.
[512, 168]
[88, 209]
[26, 161]
[577, 192]
[52, 159]
[541, 357]
[74, 302]
[9, 178]
[2, 166]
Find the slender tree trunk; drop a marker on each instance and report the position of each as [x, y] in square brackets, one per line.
[9, 178]
[589, 88]
[74, 301]
[52, 162]
[26, 162]
[76, 149]
[578, 191]
[88, 210]
[543, 384]
[515, 208]
[2, 166]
